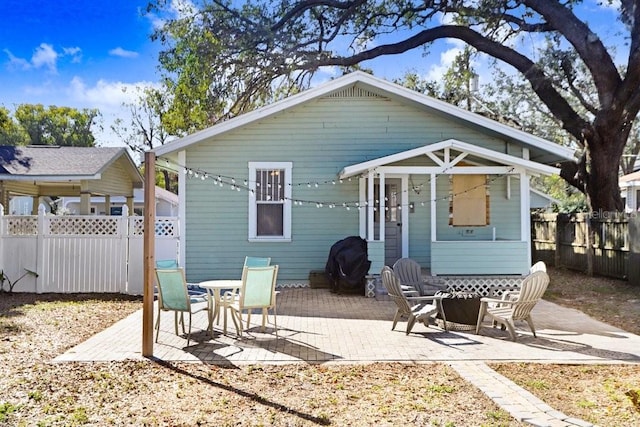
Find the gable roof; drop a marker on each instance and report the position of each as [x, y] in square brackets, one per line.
[55, 163]
[449, 143]
[542, 150]
[624, 179]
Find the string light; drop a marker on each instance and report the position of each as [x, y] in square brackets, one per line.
[220, 180]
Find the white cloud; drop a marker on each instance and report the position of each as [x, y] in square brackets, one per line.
[74, 52]
[106, 94]
[45, 56]
[177, 9]
[17, 63]
[436, 71]
[123, 53]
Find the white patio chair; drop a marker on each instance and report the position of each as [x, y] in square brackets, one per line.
[507, 311]
[414, 308]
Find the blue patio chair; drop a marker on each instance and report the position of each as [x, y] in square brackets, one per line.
[173, 295]
[196, 293]
[252, 261]
[258, 291]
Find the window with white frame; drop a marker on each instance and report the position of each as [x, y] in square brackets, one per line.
[269, 201]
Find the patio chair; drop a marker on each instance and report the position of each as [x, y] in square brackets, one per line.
[167, 264]
[173, 296]
[512, 294]
[258, 291]
[252, 261]
[518, 307]
[196, 293]
[410, 274]
[415, 308]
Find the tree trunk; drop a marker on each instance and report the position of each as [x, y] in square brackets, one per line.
[604, 151]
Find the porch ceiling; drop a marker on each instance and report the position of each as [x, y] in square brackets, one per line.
[465, 149]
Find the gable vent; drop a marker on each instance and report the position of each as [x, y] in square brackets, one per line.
[354, 92]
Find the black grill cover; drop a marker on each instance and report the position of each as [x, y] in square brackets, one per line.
[348, 262]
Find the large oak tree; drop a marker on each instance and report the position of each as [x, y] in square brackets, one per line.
[229, 53]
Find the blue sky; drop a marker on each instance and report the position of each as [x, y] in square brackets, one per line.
[82, 53]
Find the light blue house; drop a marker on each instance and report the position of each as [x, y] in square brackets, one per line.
[414, 176]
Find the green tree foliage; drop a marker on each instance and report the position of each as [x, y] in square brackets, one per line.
[11, 132]
[245, 47]
[55, 125]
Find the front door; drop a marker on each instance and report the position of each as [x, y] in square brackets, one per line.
[392, 220]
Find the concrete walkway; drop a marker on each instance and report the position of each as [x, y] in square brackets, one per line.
[316, 326]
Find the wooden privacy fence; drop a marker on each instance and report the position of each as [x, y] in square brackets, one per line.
[73, 254]
[603, 243]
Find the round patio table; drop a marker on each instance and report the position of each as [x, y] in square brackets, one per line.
[214, 288]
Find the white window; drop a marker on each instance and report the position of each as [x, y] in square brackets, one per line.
[270, 201]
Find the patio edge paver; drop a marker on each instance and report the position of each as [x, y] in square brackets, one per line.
[518, 402]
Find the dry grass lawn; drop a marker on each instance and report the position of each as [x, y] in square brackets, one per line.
[33, 392]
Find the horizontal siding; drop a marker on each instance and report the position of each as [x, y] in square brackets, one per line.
[320, 138]
[115, 181]
[479, 258]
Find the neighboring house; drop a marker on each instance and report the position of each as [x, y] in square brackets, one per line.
[541, 200]
[290, 179]
[166, 204]
[630, 191]
[53, 171]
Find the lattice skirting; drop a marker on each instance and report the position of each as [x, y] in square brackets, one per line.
[293, 285]
[482, 285]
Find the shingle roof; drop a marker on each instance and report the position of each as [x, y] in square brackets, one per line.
[44, 161]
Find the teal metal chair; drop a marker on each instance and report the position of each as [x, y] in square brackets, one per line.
[167, 264]
[173, 295]
[258, 291]
[252, 261]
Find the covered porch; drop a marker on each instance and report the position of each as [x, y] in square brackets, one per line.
[455, 207]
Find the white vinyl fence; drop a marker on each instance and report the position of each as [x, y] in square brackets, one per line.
[78, 254]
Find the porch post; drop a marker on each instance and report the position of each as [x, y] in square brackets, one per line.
[149, 253]
[362, 196]
[404, 203]
[382, 195]
[371, 205]
[85, 198]
[525, 213]
[35, 204]
[432, 182]
[107, 205]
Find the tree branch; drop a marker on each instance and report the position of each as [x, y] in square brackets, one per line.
[543, 87]
[588, 46]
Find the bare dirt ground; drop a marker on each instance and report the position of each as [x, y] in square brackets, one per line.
[34, 392]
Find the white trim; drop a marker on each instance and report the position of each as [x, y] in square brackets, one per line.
[182, 208]
[378, 85]
[382, 206]
[370, 206]
[286, 205]
[525, 215]
[405, 215]
[445, 145]
[362, 195]
[461, 170]
[433, 197]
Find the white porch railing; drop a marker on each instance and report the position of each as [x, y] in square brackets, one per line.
[74, 254]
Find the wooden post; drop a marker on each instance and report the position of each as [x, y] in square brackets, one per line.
[633, 265]
[589, 243]
[149, 252]
[557, 260]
